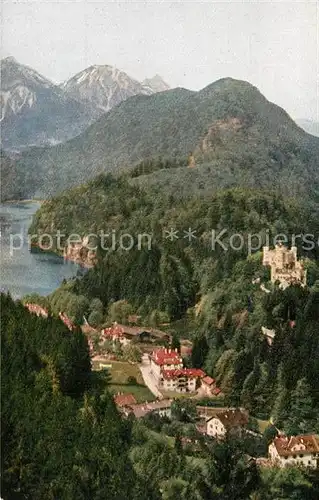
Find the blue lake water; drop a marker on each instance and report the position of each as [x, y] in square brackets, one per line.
[22, 271]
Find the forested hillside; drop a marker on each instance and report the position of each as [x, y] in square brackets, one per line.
[12, 185]
[229, 127]
[62, 437]
[216, 291]
[57, 441]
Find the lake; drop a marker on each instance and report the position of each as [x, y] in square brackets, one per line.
[22, 271]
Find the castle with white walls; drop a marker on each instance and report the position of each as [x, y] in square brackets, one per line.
[284, 265]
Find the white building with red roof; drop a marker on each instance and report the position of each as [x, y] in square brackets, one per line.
[165, 359]
[181, 379]
[123, 400]
[208, 385]
[170, 374]
[115, 333]
[302, 450]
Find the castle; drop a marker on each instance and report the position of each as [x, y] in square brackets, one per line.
[284, 265]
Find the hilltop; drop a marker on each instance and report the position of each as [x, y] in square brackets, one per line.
[229, 128]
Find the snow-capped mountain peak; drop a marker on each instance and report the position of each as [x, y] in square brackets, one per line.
[19, 87]
[103, 86]
[36, 111]
[14, 73]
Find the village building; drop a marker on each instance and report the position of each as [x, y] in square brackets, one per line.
[302, 450]
[127, 404]
[208, 385]
[123, 400]
[181, 379]
[165, 359]
[67, 321]
[167, 368]
[126, 334]
[231, 420]
[206, 413]
[36, 309]
[161, 408]
[284, 265]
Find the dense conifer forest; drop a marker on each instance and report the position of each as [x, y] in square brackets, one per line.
[215, 293]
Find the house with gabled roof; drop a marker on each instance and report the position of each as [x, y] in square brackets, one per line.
[159, 407]
[302, 450]
[226, 421]
[169, 372]
[181, 379]
[122, 400]
[125, 334]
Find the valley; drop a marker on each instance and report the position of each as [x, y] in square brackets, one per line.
[186, 364]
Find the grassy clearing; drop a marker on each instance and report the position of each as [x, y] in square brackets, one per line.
[262, 425]
[140, 392]
[119, 372]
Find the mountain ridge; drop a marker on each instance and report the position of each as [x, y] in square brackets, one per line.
[310, 126]
[228, 126]
[34, 110]
[37, 112]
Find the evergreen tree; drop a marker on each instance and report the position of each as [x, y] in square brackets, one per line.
[176, 343]
[302, 414]
[199, 351]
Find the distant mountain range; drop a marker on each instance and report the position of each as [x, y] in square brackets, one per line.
[309, 126]
[35, 111]
[229, 132]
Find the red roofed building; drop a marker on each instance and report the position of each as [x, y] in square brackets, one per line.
[66, 320]
[165, 359]
[216, 391]
[208, 385]
[115, 332]
[123, 400]
[295, 450]
[181, 379]
[38, 310]
[167, 368]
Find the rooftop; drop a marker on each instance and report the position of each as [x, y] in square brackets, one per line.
[302, 444]
[182, 372]
[232, 418]
[119, 330]
[167, 357]
[207, 412]
[124, 400]
[140, 410]
[208, 380]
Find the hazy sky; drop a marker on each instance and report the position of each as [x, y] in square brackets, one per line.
[273, 44]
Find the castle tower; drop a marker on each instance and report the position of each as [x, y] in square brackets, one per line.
[284, 265]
